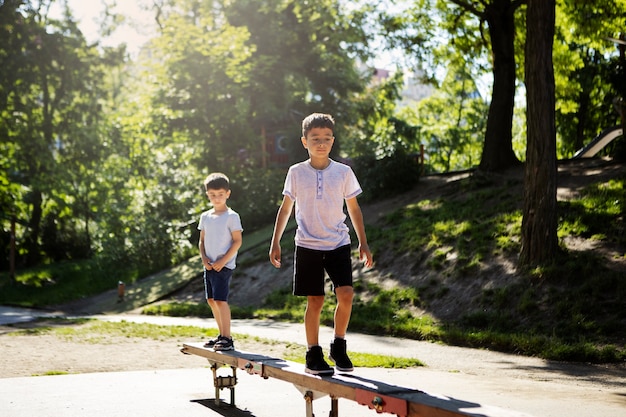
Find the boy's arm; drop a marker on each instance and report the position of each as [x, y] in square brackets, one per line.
[237, 239]
[205, 259]
[284, 212]
[356, 216]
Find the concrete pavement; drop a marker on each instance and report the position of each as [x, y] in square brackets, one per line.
[511, 382]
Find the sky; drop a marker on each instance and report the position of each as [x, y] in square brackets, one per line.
[140, 26]
[134, 33]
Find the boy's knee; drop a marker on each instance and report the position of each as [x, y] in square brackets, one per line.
[344, 294]
[315, 302]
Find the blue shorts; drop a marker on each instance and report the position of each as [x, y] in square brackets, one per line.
[217, 284]
[310, 265]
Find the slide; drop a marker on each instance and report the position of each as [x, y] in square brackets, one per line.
[599, 142]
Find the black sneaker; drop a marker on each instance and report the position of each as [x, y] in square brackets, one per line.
[315, 363]
[225, 343]
[339, 355]
[212, 342]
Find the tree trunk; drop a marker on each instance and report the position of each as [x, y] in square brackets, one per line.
[539, 222]
[31, 238]
[498, 149]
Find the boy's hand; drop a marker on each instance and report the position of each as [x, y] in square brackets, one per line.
[218, 265]
[207, 264]
[365, 253]
[275, 255]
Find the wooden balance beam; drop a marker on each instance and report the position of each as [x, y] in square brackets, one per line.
[376, 395]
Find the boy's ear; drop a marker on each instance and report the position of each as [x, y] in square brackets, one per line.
[303, 140]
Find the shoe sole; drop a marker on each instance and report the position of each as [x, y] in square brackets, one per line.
[320, 373]
[340, 369]
[220, 349]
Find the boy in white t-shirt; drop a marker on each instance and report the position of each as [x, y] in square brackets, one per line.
[318, 187]
[220, 239]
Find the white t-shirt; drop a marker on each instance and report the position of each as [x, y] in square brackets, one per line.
[218, 230]
[319, 197]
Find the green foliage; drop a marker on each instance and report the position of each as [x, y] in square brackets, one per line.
[381, 147]
[570, 310]
[389, 315]
[192, 309]
[597, 213]
[452, 123]
[178, 309]
[98, 332]
[62, 282]
[105, 157]
[461, 228]
[256, 195]
[50, 113]
[388, 176]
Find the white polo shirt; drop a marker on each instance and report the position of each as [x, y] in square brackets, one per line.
[218, 237]
[319, 197]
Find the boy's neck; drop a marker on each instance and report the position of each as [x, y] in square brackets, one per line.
[220, 208]
[319, 163]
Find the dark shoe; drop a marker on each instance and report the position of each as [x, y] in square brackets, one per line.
[212, 342]
[339, 355]
[315, 363]
[225, 343]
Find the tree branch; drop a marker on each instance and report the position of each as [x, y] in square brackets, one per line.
[469, 7]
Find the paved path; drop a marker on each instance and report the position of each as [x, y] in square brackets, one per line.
[528, 385]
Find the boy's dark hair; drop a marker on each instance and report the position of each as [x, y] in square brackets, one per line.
[317, 120]
[216, 181]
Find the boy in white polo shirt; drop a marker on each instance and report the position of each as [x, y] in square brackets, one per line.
[318, 187]
[220, 240]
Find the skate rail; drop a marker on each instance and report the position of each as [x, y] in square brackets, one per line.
[376, 395]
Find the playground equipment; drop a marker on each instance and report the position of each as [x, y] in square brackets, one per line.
[599, 142]
[379, 396]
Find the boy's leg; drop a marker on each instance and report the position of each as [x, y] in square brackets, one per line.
[223, 324]
[225, 341]
[211, 342]
[338, 350]
[221, 286]
[339, 267]
[308, 281]
[343, 310]
[208, 293]
[314, 306]
[315, 363]
[216, 314]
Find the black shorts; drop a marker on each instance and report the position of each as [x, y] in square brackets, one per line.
[309, 267]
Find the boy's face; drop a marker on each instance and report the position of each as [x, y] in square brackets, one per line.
[319, 141]
[218, 197]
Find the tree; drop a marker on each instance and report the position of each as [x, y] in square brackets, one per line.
[303, 62]
[222, 76]
[51, 99]
[452, 123]
[462, 22]
[499, 14]
[539, 222]
[586, 75]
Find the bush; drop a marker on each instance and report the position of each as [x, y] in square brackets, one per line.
[390, 175]
[256, 195]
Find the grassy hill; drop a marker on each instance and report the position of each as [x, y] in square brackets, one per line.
[446, 268]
